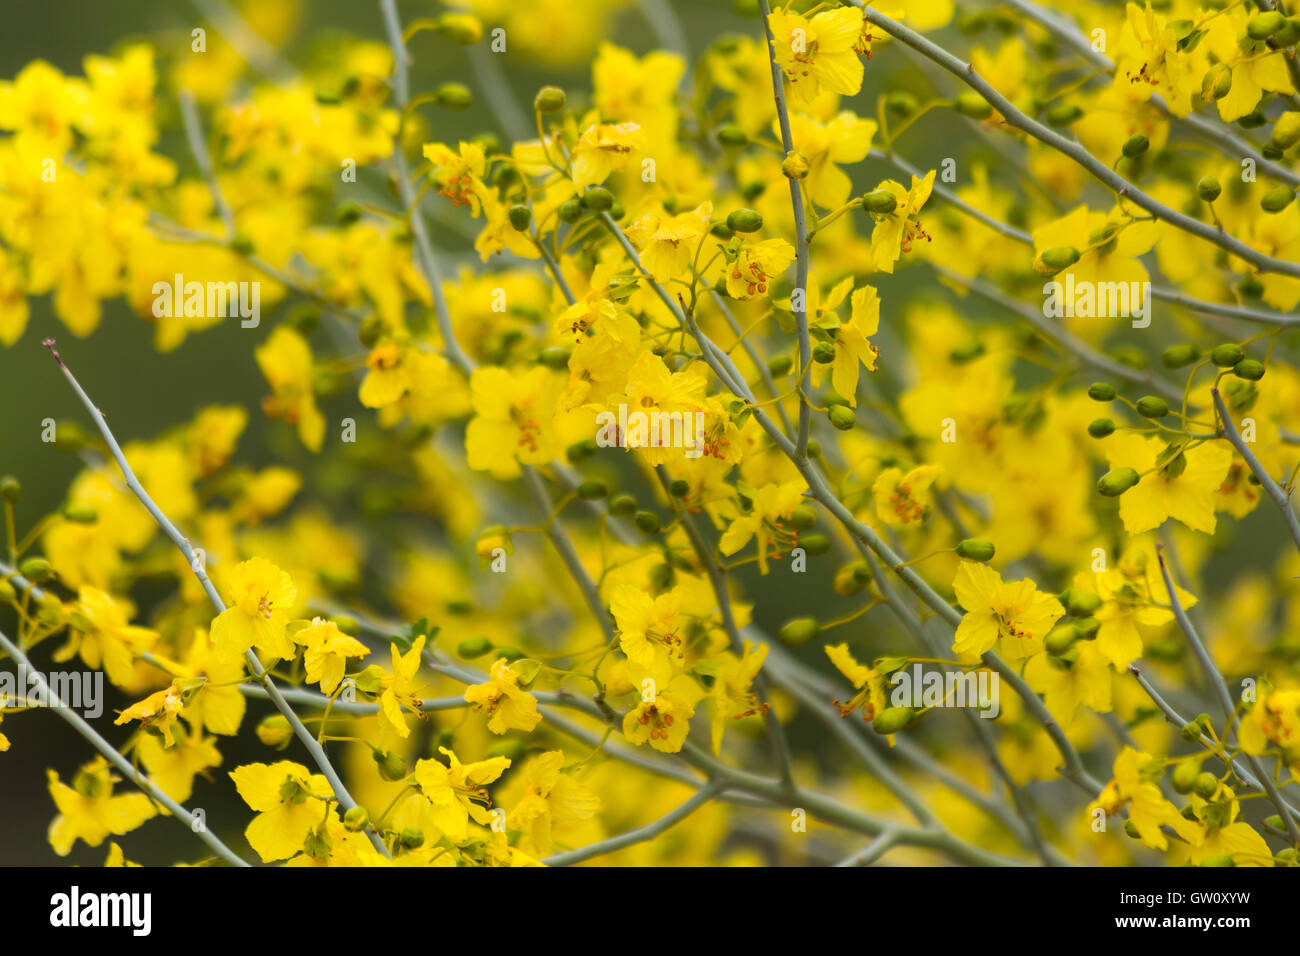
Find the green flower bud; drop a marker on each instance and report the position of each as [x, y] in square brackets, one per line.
[1179, 356]
[453, 96]
[274, 731]
[732, 135]
[1055, 259]
[880, 201]
[1219, 859]
[1287, 857]
[549, 99]
[622, 506]
[976, 549]
[463, 28]
[892, 719]
[598, 199]
[36, 570]
[80, 514]
[1152, 406]
[1101, 427]
[814, 449]
[1190, 732]
[370, 331]
[520, 216]
[1059, 638]
[1249, 287]
[966, 352]
[1226, 356]
[744, 220]
[347, 213]
[391, 765]
[1135, 146]
[1115, 483]
[1216, 83]
[780, 365]
[1274, 823]
[1286, 131]
[1131, 829]
[10, 488]
[1208, 188]
[1184, 775]
[411, 838]
[1277, 199]
[1289, 35]
[795, 165]
[647, 522]
[1082, 603]
[679, 487]
[842, 417]
[721, 230]
[1063, 114]
[799, 631]
[824, 353]
[973, 105]
[1249, 369]
[815, 543]
[802, 518]
[356, 819]
[569, 211]
[661, 576]
[593, 489]
[1252, 120]
[1263, 25]
[1087, 627]
[1101, 392]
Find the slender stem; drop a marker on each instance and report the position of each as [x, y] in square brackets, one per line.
[641, 834]
[1276, 493]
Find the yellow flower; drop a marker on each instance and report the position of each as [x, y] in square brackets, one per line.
[172, 769]
[852, 347]
[387, 377]
[603, 149]
[1178, 481]
[157, 712]
[664, 721]
[508, 705]
[212, 437]
[261, 597]
[458, 174]
[457, 792]
[733, 693]
[513, 420]
[328, 649]
[827, 146]
[1080, 676]
[100, 635]
[285, 360]
[289, 802]
[818, 53]
[869, 682]
[1136, 786]
[551, 801]
[901, 498]
[651, 632]
[1149, 58]
[772, 505]
[668, 243]
[1274, 721]
[88, 811]
[755, 267]
[399, 687]
[1014, 611]
[895, 231]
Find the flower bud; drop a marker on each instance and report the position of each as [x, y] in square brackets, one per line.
[647, 522]
[795, 165]
[902, 103]
[521, 217]
[1289, 35]
[473, 647]
[802, 518]
[462, 28]
[555, 357]
[1115, 483]
[1152, 406]
[598, 199]
[880, 201]
[549, 99]
[1101, 427]
[1286, 131]
[274, 731]
[593, 489]
[411, 838]
[661, 576]
[1179, 356]
[1263, 25]
[80, 514]
[1135, 146]
[824, 353]
[1082, 603]
[679, 487]
[370, 680]
[356, 819]
[36, 570]
[569, 211]
[892, 719]
[1205, 785]
[1184, 775]
[10, 488]
[732, 135]
[391, 765]
[1277, 199]
[1059, 638]
[973, 105]
[1101, 392]
[1208, 188]
[976, 549]
[1226, 356]
[780, 365]
[1063, 114]
[815, 543]
[1252, 120]
[453, 96]
[842, 417]
[622, 506]
[1249, 369]
[801, 630]
[745, 220]
[1087, 627]
[1053, 260]
[1216, 83]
